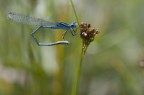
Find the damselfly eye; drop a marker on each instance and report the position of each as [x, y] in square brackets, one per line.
[74, 24]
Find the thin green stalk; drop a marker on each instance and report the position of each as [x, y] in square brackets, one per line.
[78, 72]
[78, 69]
[87, 36]
[77, 77]
[73, 7]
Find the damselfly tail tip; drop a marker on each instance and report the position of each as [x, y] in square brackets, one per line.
[63, 42]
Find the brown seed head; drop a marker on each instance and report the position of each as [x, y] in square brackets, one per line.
[86, 33]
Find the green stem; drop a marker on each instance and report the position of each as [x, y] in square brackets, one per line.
[78, 69]
[77, 77]
[78, 72]
[75, 12]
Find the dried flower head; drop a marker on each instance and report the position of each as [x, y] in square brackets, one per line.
[87, 34]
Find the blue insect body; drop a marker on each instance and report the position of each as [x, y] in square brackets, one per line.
[44, 24]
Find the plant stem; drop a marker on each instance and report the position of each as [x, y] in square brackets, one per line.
[79, 65]
[77, 77]
[73, 7]
[78, 72]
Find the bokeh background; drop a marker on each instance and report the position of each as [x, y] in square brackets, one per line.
[114, 61]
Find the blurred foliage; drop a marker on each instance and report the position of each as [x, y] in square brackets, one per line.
[113, 64]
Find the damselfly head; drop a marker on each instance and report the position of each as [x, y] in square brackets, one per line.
[74, 25]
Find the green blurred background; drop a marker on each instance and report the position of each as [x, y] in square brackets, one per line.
[114, 61]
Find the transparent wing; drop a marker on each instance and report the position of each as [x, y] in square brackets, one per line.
[29, 20]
